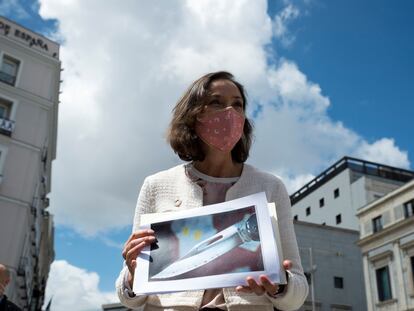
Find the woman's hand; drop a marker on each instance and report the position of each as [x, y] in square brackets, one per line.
[133, 247]
[265, 284]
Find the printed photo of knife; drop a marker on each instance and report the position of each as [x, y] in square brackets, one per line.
[213, 247]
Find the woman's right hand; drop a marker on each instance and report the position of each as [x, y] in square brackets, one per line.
[133, 247]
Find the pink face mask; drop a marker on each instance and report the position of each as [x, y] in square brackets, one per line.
[221, 129]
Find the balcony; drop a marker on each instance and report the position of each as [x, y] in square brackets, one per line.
[7, 78]
[6, 126]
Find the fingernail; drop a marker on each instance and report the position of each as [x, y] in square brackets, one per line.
[150, 231]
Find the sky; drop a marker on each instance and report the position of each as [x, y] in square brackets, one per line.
[324, 79]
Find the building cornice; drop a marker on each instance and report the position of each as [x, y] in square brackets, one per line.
[383, 200]
[386, 232]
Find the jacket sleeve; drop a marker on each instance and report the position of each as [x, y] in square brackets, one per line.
[144, 205]
[297, 286]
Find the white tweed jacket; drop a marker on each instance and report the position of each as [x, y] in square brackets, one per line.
[161, 191]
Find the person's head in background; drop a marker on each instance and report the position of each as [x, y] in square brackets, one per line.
[4, 278]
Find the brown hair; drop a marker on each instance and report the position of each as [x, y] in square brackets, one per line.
[181, 134]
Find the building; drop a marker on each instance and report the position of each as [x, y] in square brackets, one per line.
[334, 196]
[387, 244]
[29, 96]
[332, 264]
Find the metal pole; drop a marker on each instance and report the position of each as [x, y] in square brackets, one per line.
[312, 269]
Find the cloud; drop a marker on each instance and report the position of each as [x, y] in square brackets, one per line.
[295, 182]
[73, 288]
[281, 22]
[123, 75]
[384, 151]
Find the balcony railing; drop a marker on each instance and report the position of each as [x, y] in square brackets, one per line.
[6, 126]
[7, 78]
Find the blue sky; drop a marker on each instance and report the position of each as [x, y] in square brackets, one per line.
[358, 52]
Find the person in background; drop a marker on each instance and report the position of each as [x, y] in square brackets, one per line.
[210, 131]
[5, 304]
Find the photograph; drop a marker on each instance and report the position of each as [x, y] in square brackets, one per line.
[215, 244]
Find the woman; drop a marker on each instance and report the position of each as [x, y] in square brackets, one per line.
[210, 131]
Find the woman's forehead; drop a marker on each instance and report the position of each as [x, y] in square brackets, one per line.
[223, 87]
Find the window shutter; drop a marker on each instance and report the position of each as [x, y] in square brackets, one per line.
[368, 227]
[386, 218]
[399, 212]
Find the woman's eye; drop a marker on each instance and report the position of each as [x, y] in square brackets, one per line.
[238, 105]
[214, 103]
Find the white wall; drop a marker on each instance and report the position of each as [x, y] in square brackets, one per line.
[333, 206]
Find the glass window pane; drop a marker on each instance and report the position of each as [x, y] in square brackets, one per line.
[2, 112]
[383, 284]
[9, 66]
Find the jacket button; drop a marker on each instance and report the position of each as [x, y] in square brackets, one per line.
[177, 202]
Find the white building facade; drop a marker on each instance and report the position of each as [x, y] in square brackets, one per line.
[334, 197]
[29, 96]
[387, 245]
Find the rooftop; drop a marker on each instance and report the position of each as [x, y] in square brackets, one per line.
[356, 165]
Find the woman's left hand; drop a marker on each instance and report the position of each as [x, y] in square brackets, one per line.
[265, 285]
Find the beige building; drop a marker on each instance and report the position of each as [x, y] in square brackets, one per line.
[387, 245]
[29, 96]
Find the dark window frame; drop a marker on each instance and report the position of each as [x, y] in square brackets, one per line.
[338, 219]
[382, 276]
[336, 193]
[377, 224]
[412, 269]
[6, 77]
[409, 209]
[338, 282]
[321, 202]
[308, 211]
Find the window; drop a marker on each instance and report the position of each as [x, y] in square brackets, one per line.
[377, 224]
[8, 70]
[383, 284]
[5, 107]
[321, 202]
[6, 125]
[338, 282]
[338, 219]
[412, 268]
[409, 208]
[336, 193]
[308, 211]
[295, 217]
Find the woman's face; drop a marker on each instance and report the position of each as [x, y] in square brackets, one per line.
[223, 94]
[218, 128]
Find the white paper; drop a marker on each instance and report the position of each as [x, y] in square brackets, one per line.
[181, 228]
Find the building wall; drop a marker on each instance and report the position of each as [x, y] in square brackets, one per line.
[355, 191]
[334, 254]
[332, 207]
[392, 246]
[26, 153]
